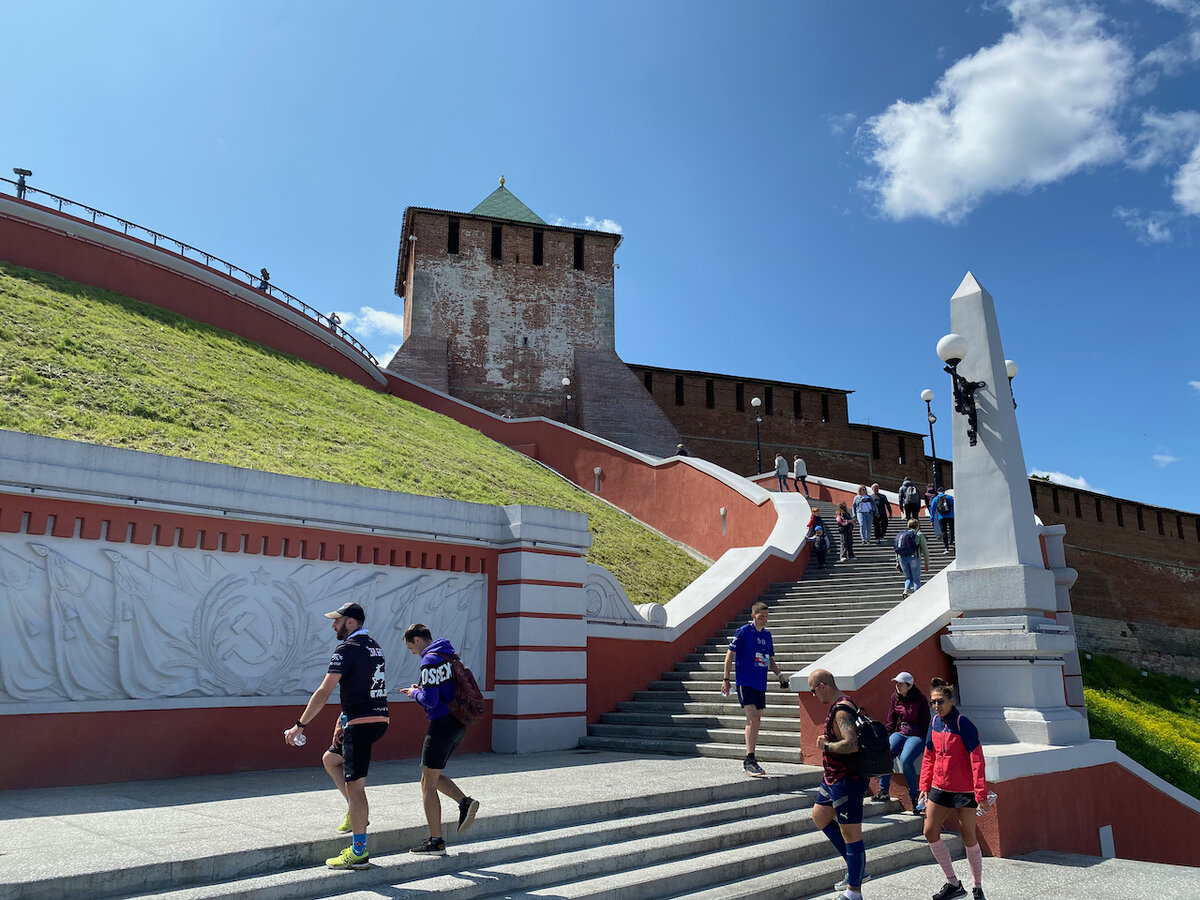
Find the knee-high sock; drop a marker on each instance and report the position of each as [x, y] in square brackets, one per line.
[834, 834]
[856, 863]
[975, 861]
[942, 854]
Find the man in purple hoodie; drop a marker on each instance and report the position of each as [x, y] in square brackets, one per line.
[444, 735]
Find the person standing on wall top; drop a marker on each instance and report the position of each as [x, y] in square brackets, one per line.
[781, 472]
[943, 505]
[845, 523]
[751, 652]
[910, 499]
[681, 450]
[883, 512]
[800, 475]
[443, 737]
[357, 670]
[838, 809]
[864, 511]
[907, 724]
[911, 553]
[953, 781]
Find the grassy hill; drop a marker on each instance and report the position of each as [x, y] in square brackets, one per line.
[90, 365]
[1155, 719]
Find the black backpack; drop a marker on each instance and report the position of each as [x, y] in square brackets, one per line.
[943, 505]
[874, 747]
[906, 543]
[911, 495]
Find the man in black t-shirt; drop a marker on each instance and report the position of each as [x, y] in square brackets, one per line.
[357, 669]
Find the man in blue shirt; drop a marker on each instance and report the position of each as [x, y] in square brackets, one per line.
[753, 652]
[943, 505]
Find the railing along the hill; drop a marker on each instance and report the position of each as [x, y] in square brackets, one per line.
[187, 251]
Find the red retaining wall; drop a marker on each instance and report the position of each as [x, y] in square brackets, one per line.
[35, 247]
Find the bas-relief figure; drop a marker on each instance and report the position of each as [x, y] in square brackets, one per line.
[86, 620]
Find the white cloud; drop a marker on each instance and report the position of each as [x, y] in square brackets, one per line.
[1030, 110]
[1164, 137]
[1175, 55]
[589, 222]
[1164, 459]
[1151, 228]
[1187, 184]
[1066, 480]
[1187, 7]
[840, 122]
[1195, 384]
[369, 322]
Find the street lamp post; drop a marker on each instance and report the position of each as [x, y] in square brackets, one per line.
[566, 383]
[927, 396]
[756, 403]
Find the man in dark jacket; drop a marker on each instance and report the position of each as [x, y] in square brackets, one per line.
[910, 499]
[883, 512]
[445, 734]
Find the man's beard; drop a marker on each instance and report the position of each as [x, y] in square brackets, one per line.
[343, 631]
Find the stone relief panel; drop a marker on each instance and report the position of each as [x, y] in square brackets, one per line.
[87, 620]
[608, 602]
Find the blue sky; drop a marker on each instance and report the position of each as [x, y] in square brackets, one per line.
[801, 186]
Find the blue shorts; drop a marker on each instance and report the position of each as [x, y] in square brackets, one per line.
[845, 796]
[748, 696]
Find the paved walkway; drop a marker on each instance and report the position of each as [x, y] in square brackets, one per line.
[85, 831]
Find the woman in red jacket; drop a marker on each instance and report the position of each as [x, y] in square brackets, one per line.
[952, 781]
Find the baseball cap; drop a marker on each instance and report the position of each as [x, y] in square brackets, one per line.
[353, 610]
[903, 677]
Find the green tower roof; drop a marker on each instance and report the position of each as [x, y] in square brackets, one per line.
[503, 204]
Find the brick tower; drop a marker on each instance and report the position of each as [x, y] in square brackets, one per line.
[500, 307]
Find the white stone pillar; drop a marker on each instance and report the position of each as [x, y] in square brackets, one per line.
[541, 636]
[1007, 645]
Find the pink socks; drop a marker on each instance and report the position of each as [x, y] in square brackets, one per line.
[975, 861]
[942, 854]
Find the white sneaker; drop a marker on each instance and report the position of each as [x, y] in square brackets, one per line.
[844, 885]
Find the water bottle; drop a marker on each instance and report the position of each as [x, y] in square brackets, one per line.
[920, 807]
[991, 799]
[299, 740]
[724, 688]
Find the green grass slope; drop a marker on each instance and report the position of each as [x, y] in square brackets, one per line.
[90, 365]
[1155, 719]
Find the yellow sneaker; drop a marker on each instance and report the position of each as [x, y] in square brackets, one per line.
[345, 827]
[348, 859]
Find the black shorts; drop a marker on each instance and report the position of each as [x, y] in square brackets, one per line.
[748, 696]
[444, 735]
[355, 748]
[952, 799]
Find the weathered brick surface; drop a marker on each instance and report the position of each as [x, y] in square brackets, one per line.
[1169, 651]
[511, 328]
[613, 405]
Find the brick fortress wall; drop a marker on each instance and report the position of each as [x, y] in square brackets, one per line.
[1138, 593]
[715, 419]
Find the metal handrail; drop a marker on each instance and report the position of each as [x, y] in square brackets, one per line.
[253, 281]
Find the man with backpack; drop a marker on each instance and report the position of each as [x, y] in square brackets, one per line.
[838, 809]
[435, 693]
[911, 553]
[943, 505]
[910, 499]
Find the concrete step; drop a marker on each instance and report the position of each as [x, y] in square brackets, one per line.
[734, 720]
[735, 860]
[683, 747]
[698, 733]
[816, 878]
[695, 816]
[727, 706]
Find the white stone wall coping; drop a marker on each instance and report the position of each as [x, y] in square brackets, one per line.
[71, 469]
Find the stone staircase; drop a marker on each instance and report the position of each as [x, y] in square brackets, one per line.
[684, 711]
[741, 839]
